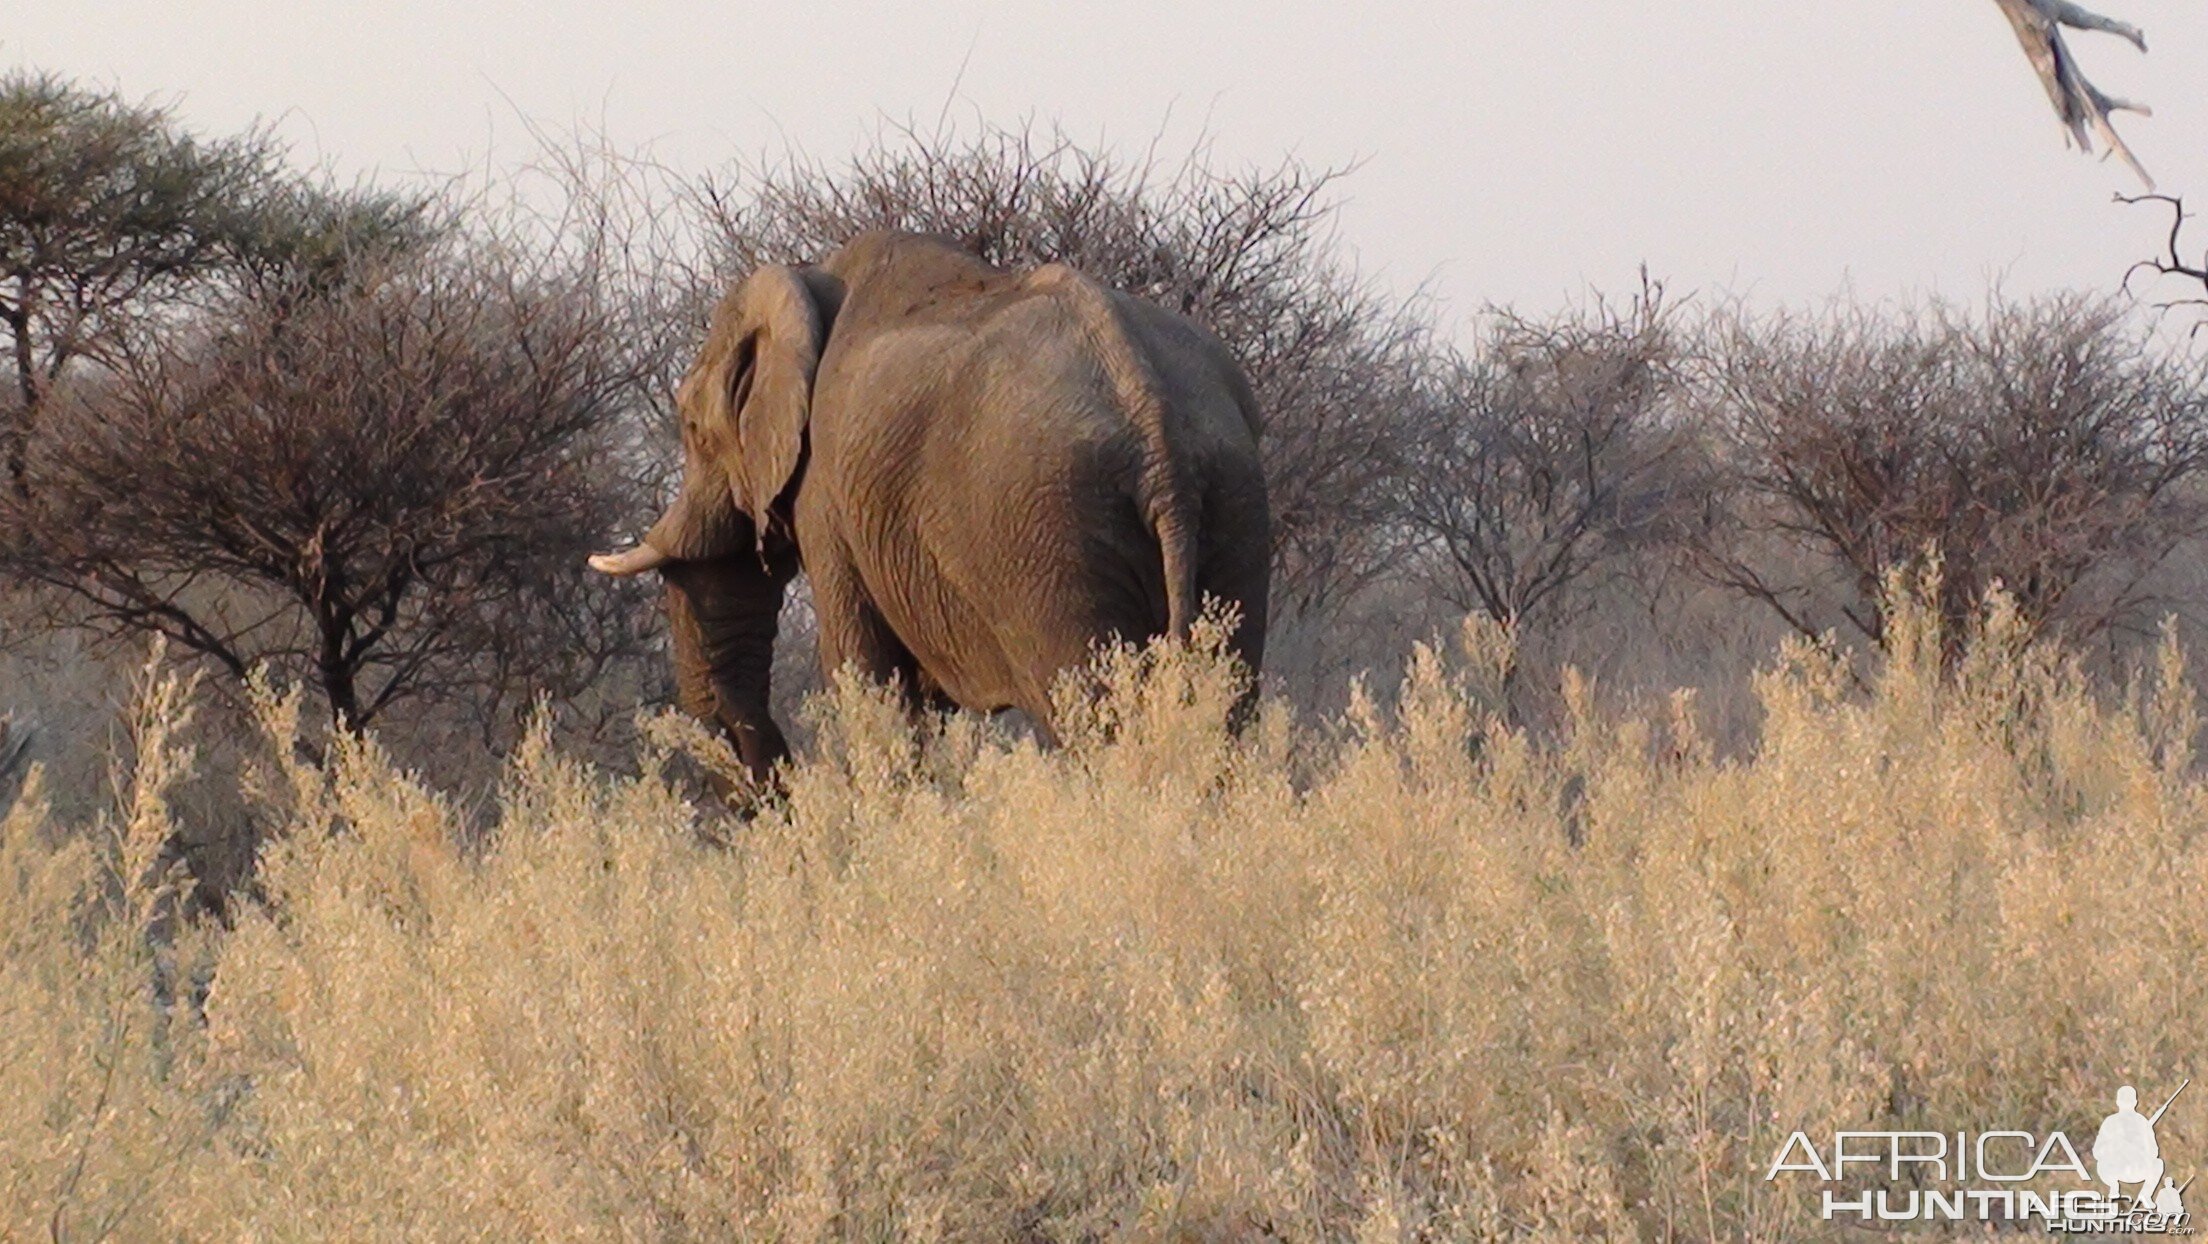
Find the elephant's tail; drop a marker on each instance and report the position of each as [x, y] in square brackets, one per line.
[1177, 546]
[1165, 493]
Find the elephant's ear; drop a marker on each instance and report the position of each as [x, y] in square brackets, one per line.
[782, 331]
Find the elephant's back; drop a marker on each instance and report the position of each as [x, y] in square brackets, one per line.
[1002, 471]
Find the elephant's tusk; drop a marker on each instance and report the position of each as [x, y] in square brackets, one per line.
[629, 561]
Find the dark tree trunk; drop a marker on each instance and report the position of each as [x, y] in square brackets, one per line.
[15, 434]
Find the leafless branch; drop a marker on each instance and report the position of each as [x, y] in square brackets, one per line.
[2083, 108]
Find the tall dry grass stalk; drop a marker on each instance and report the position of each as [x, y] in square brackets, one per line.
[1418, 977]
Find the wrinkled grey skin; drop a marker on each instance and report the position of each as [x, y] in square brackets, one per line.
[983, 473]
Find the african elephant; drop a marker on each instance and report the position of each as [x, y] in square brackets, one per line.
[982, 473]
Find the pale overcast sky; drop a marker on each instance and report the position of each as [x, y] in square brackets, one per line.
[1511, 150]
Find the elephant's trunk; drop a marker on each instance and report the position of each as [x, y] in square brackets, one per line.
[722, 615]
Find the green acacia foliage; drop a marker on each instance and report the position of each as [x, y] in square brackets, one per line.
[112, 213]
[108, 210]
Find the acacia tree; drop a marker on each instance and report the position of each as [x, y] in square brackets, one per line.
[109, 213]
[2043, 447]
[378, 474]
[1547, 455]
[1246, 253]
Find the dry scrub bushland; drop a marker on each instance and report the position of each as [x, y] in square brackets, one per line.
[1416, 976]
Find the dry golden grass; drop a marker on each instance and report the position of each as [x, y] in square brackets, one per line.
[1161, 984]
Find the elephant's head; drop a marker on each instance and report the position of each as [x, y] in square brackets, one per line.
[725, 545]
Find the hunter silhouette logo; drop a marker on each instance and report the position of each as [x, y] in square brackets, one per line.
[1974, 1176]
[2125, 1153]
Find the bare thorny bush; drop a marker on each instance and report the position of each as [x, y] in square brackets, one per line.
[1556, 451]
[2043, 448]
